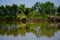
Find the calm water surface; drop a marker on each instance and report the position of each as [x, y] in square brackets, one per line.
[29, 31]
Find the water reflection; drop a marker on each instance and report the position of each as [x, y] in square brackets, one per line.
[39, 29]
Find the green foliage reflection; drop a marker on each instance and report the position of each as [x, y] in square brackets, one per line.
[38, 29]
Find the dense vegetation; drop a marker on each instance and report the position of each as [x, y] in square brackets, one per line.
[38, 11]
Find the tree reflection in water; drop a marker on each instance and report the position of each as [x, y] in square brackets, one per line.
[38, 29]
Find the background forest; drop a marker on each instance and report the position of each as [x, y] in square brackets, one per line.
[37, 11]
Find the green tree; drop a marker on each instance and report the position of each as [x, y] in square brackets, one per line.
[58, 11]
[21, 8]
[47, 8]
[37, 6]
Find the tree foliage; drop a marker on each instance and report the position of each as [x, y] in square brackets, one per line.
[8, 12]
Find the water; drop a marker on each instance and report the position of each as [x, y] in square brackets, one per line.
[29, 31]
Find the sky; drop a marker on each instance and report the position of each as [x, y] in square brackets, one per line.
[28, 3]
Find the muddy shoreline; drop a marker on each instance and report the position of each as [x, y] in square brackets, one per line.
[31, 20]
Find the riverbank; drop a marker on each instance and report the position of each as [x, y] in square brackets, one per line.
[52, 19]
